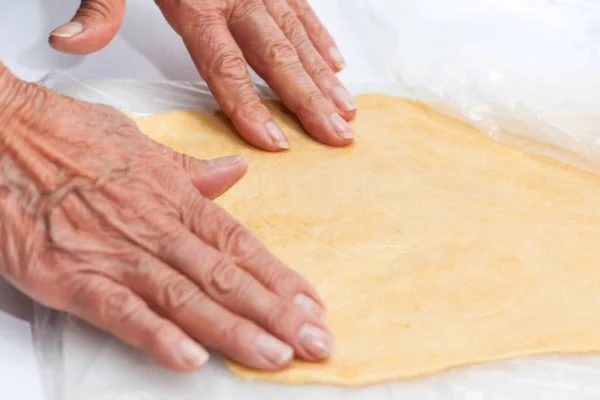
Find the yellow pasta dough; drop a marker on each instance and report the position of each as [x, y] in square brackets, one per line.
[432, 245]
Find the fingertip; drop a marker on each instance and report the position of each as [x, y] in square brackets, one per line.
[348, 115]
[80, 38]
[173, 349]
[191, 355]
[344, 102]
[183, 355]
[67, 30]
[336, 60]
[316, 344]
[309, 305]
[277, 136]
[332, 130]
[266, 137]
[235, 162]
[341, 128]
[82, 43]
[222, 174]
[276, 354]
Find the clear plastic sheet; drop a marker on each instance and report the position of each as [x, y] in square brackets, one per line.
[527, 72]
[524, 71]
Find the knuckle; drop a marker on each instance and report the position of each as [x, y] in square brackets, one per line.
[173, 239]
[247, 105]
[225, 277]
[316, 29]
[291, 26]
[237, 241]
[156, 334]
[311, 102]
[300, 7]
[321, 72]
[177, 294]
[283, 279]
[120, 306]
[79, 295]
[244, 9]
[198, 214]
[189, 164]
[191, 19]
[281, 54]
[179, 158]
[228, 64]
[304, 45]
[237, 332]
[278, 317]
[141, 271]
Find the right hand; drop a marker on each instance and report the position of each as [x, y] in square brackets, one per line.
[99, 221]
[282, 40]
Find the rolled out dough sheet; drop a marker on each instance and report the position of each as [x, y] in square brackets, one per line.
[432, 245]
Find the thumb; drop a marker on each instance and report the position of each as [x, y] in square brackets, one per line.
[92, 28]
[214, 177]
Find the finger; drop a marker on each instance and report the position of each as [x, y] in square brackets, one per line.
[313, 62]
[114, 308]
[296, 316]
[94, 25]
[178, 298]
[215, 226]
[319, 36]
[236, 290]
[223, 66]
[212, 178]
[274, 58]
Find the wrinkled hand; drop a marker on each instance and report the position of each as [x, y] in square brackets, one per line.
[282, 40]
[99, 221]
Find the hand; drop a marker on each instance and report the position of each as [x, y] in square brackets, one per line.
[282, 40]
[99, 221]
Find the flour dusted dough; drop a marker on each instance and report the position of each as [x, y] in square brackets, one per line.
[432, 245]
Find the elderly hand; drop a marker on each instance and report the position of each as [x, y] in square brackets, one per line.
[282, 40]
[99, 221]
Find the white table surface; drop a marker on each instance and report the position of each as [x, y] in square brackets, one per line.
[144, 49]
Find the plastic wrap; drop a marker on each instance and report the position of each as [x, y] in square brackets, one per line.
[525, 72]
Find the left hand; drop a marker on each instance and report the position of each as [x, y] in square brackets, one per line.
[282, 40]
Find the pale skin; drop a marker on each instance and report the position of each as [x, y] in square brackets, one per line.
[99, 221]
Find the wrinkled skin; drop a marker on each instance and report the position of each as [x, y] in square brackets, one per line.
[282, 40]
[99, 221]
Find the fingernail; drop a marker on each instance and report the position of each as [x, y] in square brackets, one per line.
[68, 30]
[337, 58]
[225, 162]
[341, 126]
[316, 341]
[274, 350]
[192, 353]
[308, 305]
[343, 99]
[277, 135]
